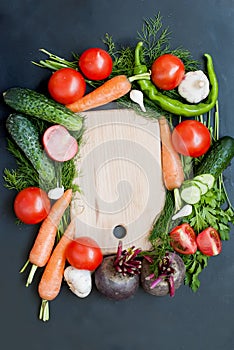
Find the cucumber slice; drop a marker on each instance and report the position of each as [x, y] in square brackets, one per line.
[203, 187]
[206, 179]
[190, 182]
[191, 194]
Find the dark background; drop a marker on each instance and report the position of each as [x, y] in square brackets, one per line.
[202, 320]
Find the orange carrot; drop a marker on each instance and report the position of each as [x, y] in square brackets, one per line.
[172, 169]
[111, 90]
[50, 284]
[43, 245]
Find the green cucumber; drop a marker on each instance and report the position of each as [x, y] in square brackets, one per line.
[190, 182]
[203, 187]
[190, 192]
[218, 157]
[27, 137]
[39, 106]
[206, 179]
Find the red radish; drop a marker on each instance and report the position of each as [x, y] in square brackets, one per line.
[59, 144]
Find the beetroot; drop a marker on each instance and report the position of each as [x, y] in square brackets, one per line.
[165, 283]
[113, 284]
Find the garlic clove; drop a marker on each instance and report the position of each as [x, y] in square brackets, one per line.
[185, 211]
[194, 87]
[56, 193]
[79, 281]
[137, 97]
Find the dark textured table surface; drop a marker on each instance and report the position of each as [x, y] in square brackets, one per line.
[202, 320]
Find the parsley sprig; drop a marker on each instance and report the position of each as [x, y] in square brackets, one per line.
[210, 211]
[195, 263]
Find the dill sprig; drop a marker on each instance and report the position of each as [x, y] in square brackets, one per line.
[156, 40]
[24, 175]
[123, 57]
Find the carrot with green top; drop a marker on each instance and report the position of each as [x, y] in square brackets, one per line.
[50, 284]
[109, 91]
[45, 240]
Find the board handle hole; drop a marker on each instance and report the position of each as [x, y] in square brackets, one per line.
[119, 231]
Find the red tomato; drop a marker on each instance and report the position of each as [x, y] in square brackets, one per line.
[66, 85]
[209, 242]
[183, 239]
[84, 253]
[32, 205]
[96, 64]
[191, 138]
[167, 72]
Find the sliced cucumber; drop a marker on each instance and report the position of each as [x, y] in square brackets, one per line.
[192, 189]
[203, 187]
[190, 193]
[206, 179]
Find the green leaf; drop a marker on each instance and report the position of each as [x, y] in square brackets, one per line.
[224, 231]
[194, 264]
[195, 283]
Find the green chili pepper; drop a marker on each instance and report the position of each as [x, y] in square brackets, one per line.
[172, 105]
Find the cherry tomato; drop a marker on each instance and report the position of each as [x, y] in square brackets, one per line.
[191, 138]
[32, 205]
[66, 85]
[167, 72]
[84, 253]
[209, 242]
[96, 64]
[183, 239]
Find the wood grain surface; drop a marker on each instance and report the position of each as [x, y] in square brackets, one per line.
[119, 167]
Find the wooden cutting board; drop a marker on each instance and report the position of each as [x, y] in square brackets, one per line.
[119, 167]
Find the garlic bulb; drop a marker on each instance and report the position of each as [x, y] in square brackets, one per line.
[194, 87]
[79, 281]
